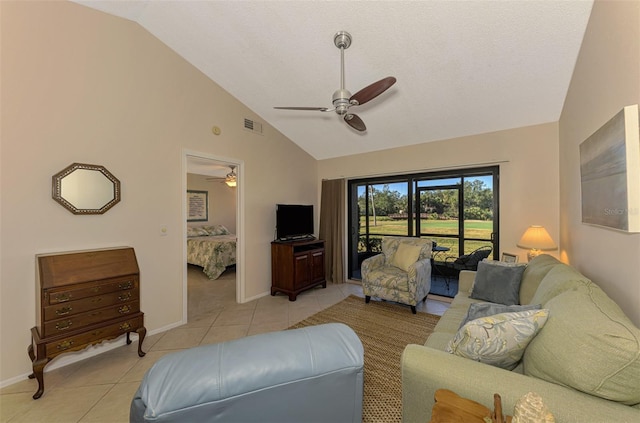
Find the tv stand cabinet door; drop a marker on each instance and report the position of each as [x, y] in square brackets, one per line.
[317, 266]
[297, 266]
[301, 266]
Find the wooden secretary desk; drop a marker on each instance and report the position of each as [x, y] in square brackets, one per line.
[84, 298]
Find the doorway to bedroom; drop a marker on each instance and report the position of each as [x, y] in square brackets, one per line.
[212, 230]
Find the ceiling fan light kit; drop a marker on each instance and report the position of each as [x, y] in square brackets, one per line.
[342, 99]
[231, 178]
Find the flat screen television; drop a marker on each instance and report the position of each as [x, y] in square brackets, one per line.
[294, 221]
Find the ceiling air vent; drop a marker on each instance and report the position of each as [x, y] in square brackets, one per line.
[253, 126]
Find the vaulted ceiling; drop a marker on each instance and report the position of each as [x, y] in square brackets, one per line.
[462, 67]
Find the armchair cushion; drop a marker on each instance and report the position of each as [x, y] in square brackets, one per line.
[390, 245]
[405, 256]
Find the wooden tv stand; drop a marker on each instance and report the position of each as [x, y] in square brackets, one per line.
[297, 266]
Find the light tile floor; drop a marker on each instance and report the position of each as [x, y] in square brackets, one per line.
[100, 388]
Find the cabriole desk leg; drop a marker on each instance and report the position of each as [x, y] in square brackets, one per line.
[38, 368]
[142, 332]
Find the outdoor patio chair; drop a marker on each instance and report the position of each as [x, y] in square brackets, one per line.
[466, 261]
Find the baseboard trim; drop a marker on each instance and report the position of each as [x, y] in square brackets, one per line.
[73, 357]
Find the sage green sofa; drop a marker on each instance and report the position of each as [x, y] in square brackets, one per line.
[585, 362]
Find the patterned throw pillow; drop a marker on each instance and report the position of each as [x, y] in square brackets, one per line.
[498, 340]
[478, 310]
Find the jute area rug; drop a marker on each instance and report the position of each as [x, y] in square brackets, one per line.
[384, 329]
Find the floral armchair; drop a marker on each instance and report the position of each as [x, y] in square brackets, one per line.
[402, 273]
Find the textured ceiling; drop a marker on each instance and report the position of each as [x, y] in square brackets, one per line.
[463, 67]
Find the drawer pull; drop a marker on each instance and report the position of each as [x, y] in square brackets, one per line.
[124, 309]
[64, 325]
[125, 285]
[97, 313]
[96, 300]
[61, 298]
[64, 311]
[96, 332]
[125, 297]
[125, 326]
[65, 345]
[96, 289]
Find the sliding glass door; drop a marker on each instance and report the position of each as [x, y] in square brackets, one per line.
[457, 209]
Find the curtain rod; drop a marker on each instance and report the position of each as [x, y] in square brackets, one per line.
[434, 169]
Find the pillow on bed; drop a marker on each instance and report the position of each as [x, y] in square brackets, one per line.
[213, 230]
[196, 231]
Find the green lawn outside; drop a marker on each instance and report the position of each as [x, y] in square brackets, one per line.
[473, 229]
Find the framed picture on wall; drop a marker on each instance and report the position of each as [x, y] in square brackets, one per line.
[509, 258]
[197, 206]
[610, 173]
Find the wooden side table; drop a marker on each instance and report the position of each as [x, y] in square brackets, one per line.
[452, 408]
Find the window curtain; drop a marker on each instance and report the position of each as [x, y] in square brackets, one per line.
[332, 222]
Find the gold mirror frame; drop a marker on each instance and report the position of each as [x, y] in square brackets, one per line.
[84, 190]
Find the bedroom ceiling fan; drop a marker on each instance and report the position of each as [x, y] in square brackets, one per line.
[342, 98]
[231, 179]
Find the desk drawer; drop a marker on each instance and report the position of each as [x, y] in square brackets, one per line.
[71, 308]
[77, 292]
[80, 341]
[79, 321]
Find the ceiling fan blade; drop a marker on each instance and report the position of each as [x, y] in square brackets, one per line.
[372, 91]
[319, 109]
[355, 122]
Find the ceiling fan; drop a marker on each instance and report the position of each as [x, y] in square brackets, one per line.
[342, 98]
[231, 179]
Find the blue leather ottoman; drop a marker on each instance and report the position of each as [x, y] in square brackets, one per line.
[313, 374]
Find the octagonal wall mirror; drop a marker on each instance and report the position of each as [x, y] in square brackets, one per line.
[86, 189]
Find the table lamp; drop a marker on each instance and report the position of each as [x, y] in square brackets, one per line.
[537, 239]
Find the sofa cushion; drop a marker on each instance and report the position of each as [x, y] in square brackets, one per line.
[405, 256]
[497, 283]
[535, 271]
[478, 310]
[498, 340]
[559, 279]
[588, 344]
[389, 277]
[449, 323]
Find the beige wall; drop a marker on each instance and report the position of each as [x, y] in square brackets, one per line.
[528, 160]
[222, 201]
[606, 78]
[82, 86]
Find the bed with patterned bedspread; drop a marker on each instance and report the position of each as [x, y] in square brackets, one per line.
[211, 247]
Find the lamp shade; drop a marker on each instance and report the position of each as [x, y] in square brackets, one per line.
[537, 238]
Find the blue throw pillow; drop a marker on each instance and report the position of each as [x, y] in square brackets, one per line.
[498, 283]
[478, 310]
